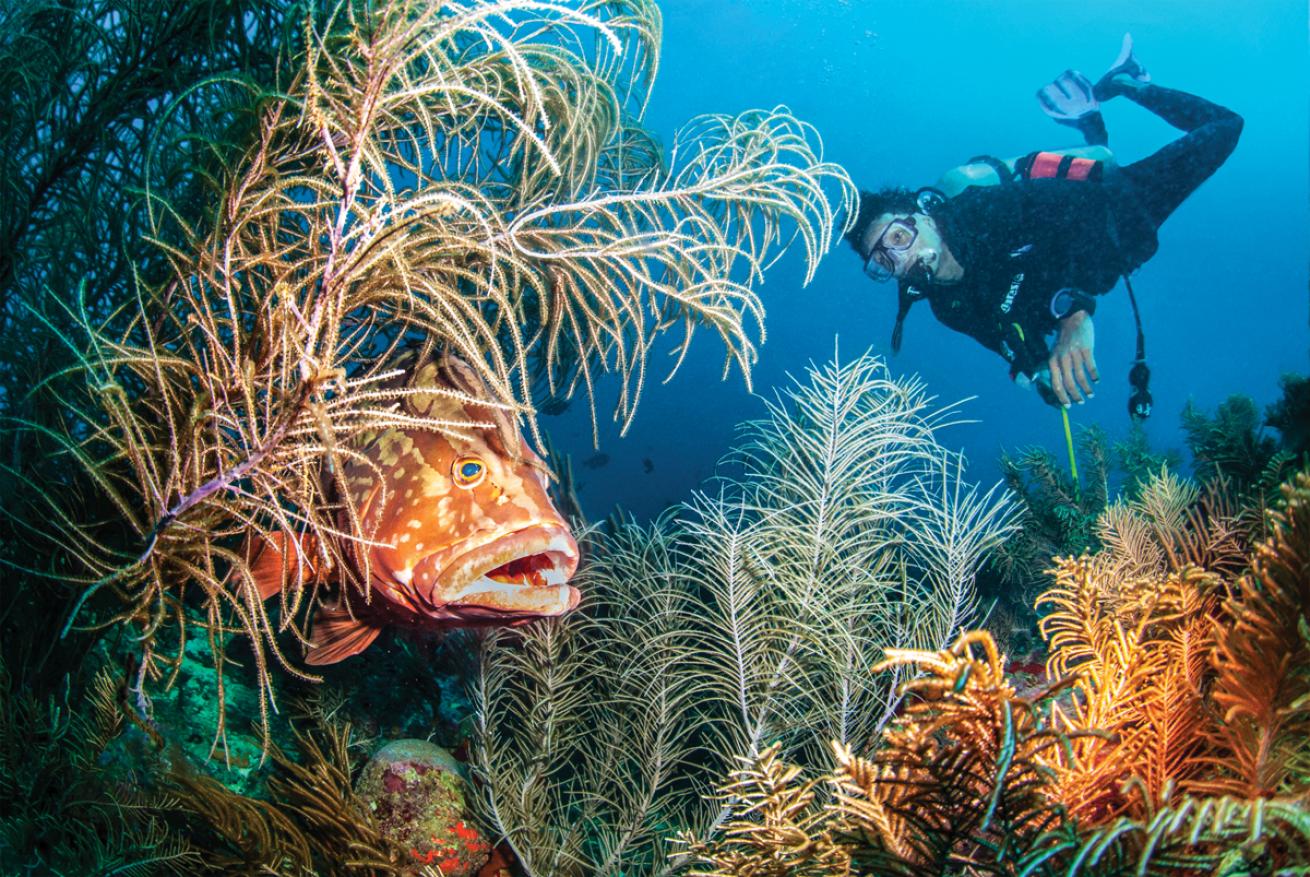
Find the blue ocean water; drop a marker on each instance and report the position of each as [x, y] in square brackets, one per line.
[902, 91]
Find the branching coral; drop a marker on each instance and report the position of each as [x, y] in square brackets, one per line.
[1170, 525]
[1140, 657]
[1180, 748]
[1140, 463]
[961, 771]
[1161, 521]
[60, 812]
[748, 615]
[1196, 677]
[1232, 444]
[1058, 515]
[312, 823]
[1141, 534]
[783, 833]
[957, 782]
[240, 835]
[469, 176]
[1261, 662]
[1291, 414]
[80, 84]
[1191, 671]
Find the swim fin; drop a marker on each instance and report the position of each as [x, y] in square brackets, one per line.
[1070, 101]
[1068, 98]
[1126, 65]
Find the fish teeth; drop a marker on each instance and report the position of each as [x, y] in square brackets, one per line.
[560, 545]
[550, 577]
[519, 579]
[478, 586]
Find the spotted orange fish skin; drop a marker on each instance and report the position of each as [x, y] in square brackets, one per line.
[450, 526]
[433, 534]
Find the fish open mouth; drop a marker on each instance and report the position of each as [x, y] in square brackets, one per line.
[530, 570]
[524, 573]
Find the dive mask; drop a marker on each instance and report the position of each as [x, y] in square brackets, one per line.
[890, 252]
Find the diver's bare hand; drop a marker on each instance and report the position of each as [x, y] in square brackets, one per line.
[1071, 360]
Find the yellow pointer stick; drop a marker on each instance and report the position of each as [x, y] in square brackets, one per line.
[1073, 461]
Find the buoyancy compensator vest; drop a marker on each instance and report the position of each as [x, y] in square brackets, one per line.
[1043, 164]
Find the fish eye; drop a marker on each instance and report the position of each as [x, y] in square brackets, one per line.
[468, 472]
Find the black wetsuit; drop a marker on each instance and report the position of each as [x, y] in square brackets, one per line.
[1034, 251]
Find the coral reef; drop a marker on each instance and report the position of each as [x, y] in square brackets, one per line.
[1172, 739]
[1058, 515]
[472, 178]
[1231, 443]
[223, 223]
[1290, 415]
[66, 806]
[749, 614]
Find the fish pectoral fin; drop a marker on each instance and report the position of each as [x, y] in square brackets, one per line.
[336, 635]
[271, 567]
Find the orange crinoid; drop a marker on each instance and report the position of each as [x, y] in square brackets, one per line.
[1179, 742]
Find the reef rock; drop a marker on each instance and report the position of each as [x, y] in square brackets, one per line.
[415, 792]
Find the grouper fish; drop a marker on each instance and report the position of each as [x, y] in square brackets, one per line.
[459, 529]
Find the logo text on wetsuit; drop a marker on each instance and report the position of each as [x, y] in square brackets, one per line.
[1014, 290]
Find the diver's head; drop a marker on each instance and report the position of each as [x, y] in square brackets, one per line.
[895, 238]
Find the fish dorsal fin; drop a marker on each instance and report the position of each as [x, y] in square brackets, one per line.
[336, 635]
[265, 556]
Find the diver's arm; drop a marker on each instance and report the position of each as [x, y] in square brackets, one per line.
[1072, 360]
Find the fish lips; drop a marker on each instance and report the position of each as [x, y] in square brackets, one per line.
[531, 567]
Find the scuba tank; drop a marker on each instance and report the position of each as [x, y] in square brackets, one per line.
[1082, 164]
[1058, 166]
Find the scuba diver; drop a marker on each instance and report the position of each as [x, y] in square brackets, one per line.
[1011, 252]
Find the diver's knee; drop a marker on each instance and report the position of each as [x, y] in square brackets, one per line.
[1230, 131]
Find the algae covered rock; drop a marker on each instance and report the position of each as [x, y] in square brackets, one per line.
[415, 793]
[186, 714]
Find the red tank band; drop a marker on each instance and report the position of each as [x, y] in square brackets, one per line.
[1053, 165]
[1080, 168]
[1044, 164]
